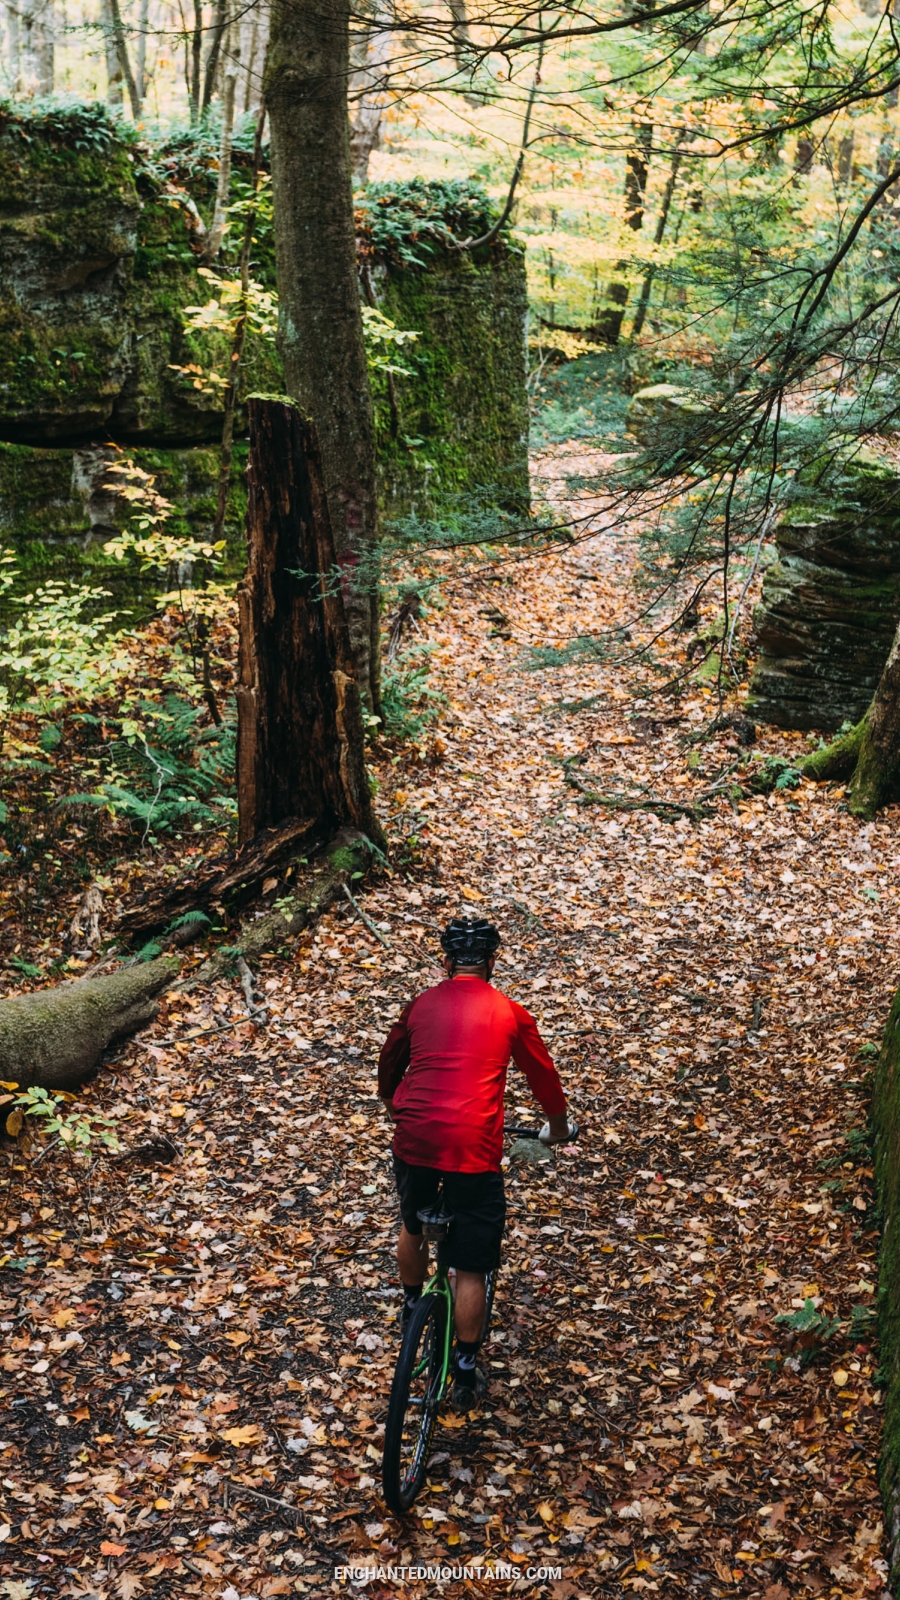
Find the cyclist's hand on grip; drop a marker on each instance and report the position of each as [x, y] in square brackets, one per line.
[557, 1130]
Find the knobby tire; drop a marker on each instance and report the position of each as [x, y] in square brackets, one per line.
[410, 1428]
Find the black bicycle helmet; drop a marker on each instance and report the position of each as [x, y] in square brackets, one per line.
[469, 940]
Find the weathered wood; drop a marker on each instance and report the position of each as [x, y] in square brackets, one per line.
[234, 874]
[300, 749]
[349, 852]
[54, 1037]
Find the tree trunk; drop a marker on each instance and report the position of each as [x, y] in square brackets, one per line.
[647, 286]
[141, 73]
[870, 753]
[300, 746]
[114, 81]
[609, 324]
[370, 62]
[196, 61]
[321, 334]
[219, 222]
[55, 1037]
[212, 55]
[124, 61]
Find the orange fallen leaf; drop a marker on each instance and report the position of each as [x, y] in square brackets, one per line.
[120, 1357]
[237, 1336]
[107, 1548]
[64, 1317]
[241, 1436]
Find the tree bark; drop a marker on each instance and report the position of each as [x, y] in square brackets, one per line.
[662, 219]
[300, 749]
[868, 754]
[55, 1037]
[140, 76]
[216, 232]
[121, 43]
[609, 324]
[370, 63]
[212, 56]
[321, 334]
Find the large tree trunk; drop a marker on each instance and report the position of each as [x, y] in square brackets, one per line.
[609, 324]
[870, 753]
[55, 1037]
[300, 727]
[321, 334]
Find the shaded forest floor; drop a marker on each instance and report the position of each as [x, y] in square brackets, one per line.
[197, 1357]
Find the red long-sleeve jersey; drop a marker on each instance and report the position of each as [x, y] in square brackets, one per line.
[444, 1066]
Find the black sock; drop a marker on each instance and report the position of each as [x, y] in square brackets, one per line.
[411, 1293]
[466, 1351]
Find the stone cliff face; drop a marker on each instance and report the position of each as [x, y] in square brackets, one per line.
[830, 604]
[96, 269]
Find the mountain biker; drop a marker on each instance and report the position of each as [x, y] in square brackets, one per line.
[442, 1076]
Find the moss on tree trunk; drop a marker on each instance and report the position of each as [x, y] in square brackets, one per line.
[54, 1037]
[868, 754]
[320, 327]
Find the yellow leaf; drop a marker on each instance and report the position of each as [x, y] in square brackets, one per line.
[119, 1358]
[237, 1337]
[452, 1422]
[14, 1124]
[5, 1085]
[162, 1505]
[841, 1378]
[64, 1317]
[545, 1512]
[471, 894]
[177, 1110]
[241, 1436]
[810, 1289]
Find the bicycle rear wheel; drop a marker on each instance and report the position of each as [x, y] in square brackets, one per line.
[413, 1406]
[490, 1286]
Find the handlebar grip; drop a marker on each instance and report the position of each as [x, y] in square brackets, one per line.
[540, 1133]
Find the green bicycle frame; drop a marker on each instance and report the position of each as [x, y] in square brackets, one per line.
[439, 1283]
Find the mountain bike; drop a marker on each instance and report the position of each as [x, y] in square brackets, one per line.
[422, 1374]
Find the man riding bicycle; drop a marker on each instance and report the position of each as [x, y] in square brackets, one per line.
[442, 1076]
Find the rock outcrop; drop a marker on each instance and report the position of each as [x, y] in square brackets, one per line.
[96, 268]
[830, 604]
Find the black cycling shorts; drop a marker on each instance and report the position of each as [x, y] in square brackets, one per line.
[477, 1202]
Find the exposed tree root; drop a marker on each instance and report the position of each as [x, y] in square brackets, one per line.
[348, 852]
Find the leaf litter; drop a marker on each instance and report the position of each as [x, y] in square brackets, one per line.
[683, 1373]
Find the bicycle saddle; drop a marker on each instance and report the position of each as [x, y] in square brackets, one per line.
[435, 1221]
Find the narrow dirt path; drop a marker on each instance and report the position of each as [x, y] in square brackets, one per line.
[712, 993]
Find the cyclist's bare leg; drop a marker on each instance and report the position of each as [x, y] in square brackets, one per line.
[470, 1302]
[412, 1258]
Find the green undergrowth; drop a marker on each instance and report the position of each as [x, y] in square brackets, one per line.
[581, 399]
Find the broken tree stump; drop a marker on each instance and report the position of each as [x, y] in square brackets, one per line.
[301, 737]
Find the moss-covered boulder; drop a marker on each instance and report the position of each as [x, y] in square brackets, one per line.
[831, 602]
[97, 266]
[459, 422]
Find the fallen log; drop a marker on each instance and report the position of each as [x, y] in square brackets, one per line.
[55, 1037]
[348, 852]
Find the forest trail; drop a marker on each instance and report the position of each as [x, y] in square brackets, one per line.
[228, 1330]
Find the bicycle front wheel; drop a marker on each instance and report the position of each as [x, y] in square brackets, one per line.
[413, 1406]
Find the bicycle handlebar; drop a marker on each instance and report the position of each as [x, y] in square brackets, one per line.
[535, 1133]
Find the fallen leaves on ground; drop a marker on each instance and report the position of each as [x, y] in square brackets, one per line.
[198, 1356]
